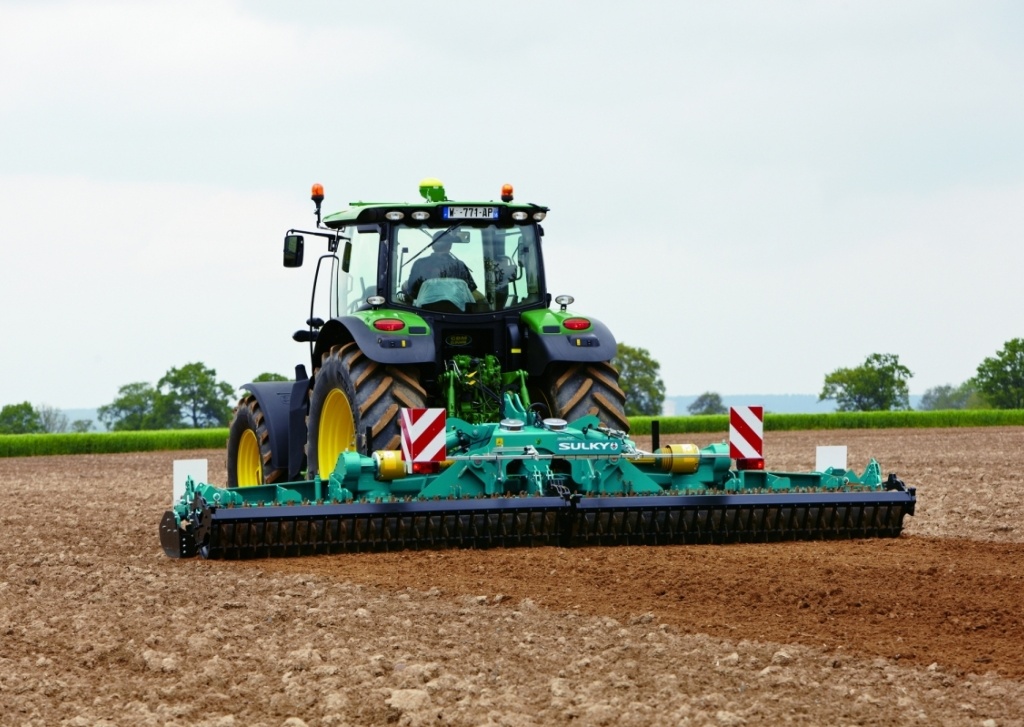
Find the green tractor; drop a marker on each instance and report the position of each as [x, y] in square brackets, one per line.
[439, 337]
[434, 303]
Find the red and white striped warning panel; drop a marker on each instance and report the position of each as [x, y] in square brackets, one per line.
[746, 432]
[423, 435]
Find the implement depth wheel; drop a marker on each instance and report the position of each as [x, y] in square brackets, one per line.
[351, 393]
[249, 447]
[574, 390]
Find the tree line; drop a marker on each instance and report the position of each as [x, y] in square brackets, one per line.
[186, 397]
[189, 397]
[878, 384]
[24, 418]
[192, 397]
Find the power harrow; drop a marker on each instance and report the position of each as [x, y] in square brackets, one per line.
[531, 481]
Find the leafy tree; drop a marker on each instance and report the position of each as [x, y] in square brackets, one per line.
[639, 377]
[948, 396]
[52, 419]
[20, 419]
[81, 426]
[266, 376]
[197, 395]
[139, 406]
[879, 384]
[1000, 379]
[707, 403]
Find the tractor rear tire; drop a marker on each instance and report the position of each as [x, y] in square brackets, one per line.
[249, 452]
[574, 390]
[353, 392]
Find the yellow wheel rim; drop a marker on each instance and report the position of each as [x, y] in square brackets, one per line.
[337, 431]
[249, 464]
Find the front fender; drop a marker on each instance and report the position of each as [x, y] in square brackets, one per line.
[274, 398]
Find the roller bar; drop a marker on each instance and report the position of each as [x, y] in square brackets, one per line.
[258, 532]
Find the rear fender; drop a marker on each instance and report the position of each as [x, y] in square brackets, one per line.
[548, 341]
[413, 344]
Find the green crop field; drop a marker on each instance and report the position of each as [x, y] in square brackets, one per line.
[840, 420]
[28, 445]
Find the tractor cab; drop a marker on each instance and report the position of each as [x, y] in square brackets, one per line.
[462, 268]
[437, 256]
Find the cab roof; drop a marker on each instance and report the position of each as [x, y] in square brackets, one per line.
[437, 210]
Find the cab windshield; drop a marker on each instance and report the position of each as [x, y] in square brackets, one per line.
[464, 269]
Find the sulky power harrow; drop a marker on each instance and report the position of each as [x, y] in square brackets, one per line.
[530, 481]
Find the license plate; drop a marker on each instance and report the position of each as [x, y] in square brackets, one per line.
[471, 213]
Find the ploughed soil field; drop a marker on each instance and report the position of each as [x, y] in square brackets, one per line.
[98, 627]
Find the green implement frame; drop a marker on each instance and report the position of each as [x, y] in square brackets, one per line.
[527, 481]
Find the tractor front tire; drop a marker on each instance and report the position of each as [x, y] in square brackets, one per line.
[574, 390]
[353, 392]
[249, 451]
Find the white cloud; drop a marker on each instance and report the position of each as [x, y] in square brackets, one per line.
[162, 57]
[757, 193]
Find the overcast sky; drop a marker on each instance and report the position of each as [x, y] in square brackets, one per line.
[757, 193]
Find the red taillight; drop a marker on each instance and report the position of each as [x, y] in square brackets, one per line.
[750, 464]
[576, 324]
[426, 468]
[388, 324]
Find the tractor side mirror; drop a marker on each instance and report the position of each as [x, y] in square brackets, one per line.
[293, 247]
[346, 256]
